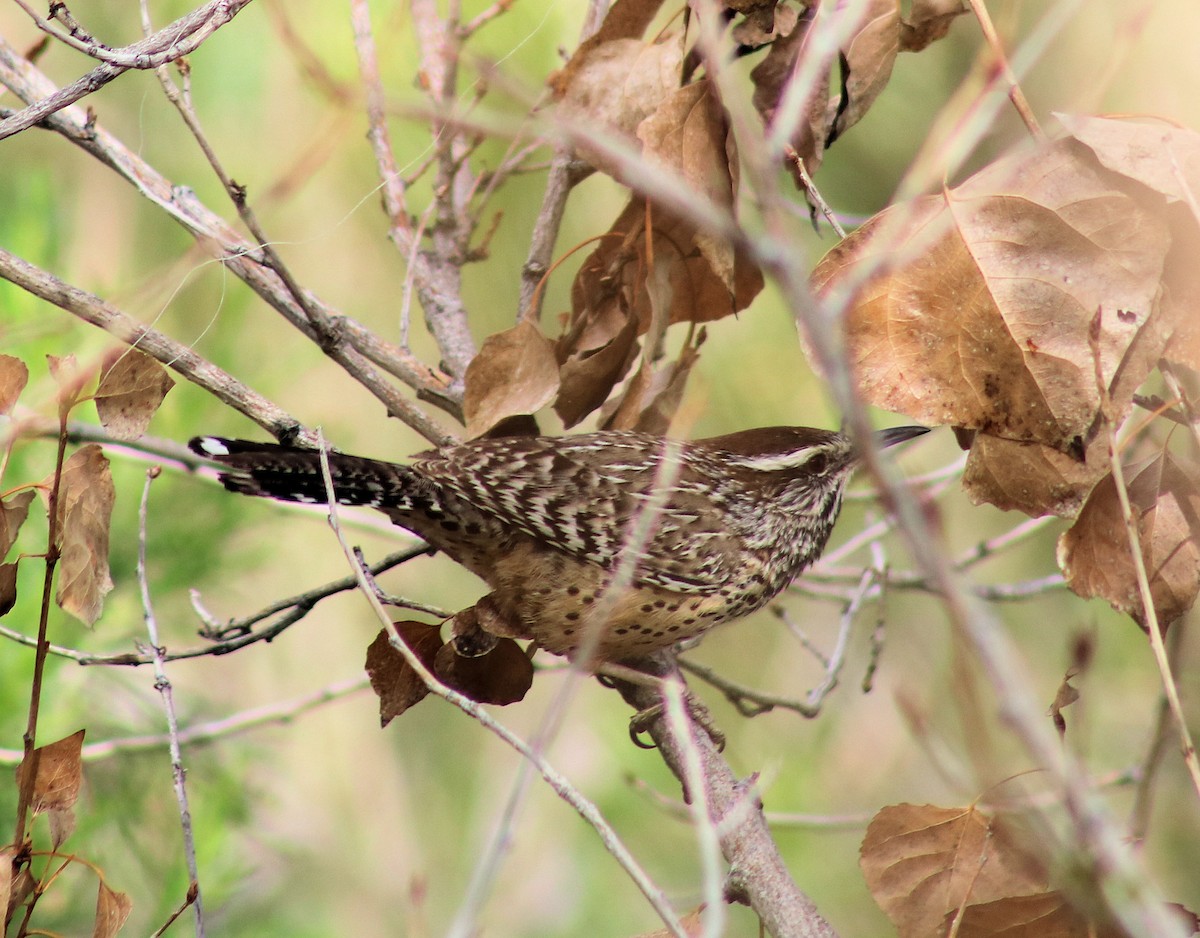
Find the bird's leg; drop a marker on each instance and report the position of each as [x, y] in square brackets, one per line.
[632, 678]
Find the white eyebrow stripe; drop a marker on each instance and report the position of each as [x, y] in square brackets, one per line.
[790, 460]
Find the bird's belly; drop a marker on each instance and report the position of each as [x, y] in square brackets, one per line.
[572, 607]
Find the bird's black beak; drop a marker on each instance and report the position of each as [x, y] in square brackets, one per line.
[893, 435]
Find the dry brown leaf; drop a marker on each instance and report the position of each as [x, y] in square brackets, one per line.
[13, 512]
[770, 78]
[616, 87]
[611, 284]
[928, 21]
[1045, 915]
[132, 386]
[112, 909]
[1162, 157]
[514, 373]
[922, 862]
[14, 375]
[501, 676]
[763, 22]
[588, 375]
[987, 325]
[70, 377]
[688, 136]
[394, 681]
[1094, 553]
[7, 853]
[626, 19]
[652, 397]
[1031, 477]
[59, 773]
[8, 588]
[1181, 298]
[85, 500]
[870, 54]
[1063, 697]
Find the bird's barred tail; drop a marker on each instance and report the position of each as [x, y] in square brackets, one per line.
[294, 475]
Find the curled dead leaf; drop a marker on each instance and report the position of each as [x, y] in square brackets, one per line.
[615, 86]
[8, 588]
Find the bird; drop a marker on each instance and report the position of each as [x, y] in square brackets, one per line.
[605, 546]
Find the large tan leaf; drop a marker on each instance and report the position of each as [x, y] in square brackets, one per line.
[85, 502]
[922, 862]
[986, 325]
[132, 386]
[514, 373]
[1094, 553]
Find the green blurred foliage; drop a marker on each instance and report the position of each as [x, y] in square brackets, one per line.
[325, 825]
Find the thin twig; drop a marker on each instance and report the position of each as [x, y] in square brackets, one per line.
[200, 734]
[1015, 94]
[163, 685]
[172, 42]
[708, 841]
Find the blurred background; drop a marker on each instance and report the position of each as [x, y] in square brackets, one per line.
[322, 824]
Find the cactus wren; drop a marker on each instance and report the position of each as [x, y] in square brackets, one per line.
[549, 522]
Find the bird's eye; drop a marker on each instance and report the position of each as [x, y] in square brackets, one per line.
[817, 463]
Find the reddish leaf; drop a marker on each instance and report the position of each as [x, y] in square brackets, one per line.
[501, 676]
[394, 681]
[616, 86]
[588, 375]
[1032, 477]
[132, 386]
